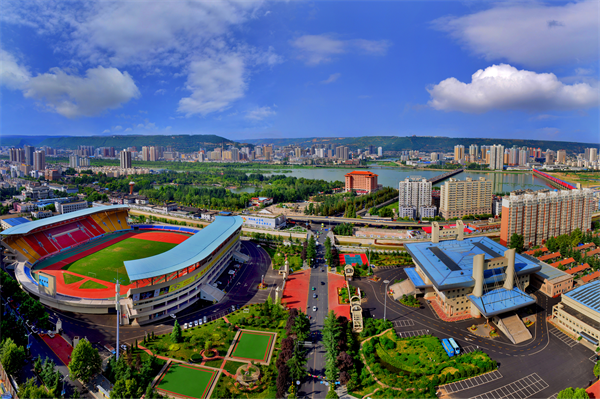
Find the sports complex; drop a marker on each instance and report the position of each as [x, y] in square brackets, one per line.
[73, 262]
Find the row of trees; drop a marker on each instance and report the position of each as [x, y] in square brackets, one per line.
[29, 308]
[344, 229]
[132, 376]
[291, 362]
[331, 254]
[348, 203]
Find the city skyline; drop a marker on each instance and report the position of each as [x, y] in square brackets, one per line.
[273, 70]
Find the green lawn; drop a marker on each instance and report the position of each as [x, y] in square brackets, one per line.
[214, 363]
[71, 278]
[253, 346]
[108, 261]
[91, 285]
[232, 367]
[187, 380]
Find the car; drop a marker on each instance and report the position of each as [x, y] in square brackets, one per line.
[124, 347]
[173, 315]
[314, 308]
[195, 323]
[205, 319]
[313, 288]
[314, 295]
[184, 326]
[258, 246]
[200, 322]
[51, 334]
[232, 308]
[322, 282]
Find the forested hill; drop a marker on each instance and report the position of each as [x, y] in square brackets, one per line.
[427, 144]
[182, 143]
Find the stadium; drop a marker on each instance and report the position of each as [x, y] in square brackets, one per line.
[72, 262]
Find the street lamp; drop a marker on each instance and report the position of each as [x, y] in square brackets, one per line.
[386, 282]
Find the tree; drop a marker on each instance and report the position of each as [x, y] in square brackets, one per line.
[331, 394]
[176, 335]
[297, 367]
[13, 357]
[85, 361]
[597, 369]
[516, 242]
[31, 390]
[571, 393]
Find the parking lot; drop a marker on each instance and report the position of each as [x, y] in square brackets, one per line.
[472, 382]
[563, 337]
[523, 388]
[227, 276]
[404, 323]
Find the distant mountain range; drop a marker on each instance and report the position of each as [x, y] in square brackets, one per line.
[427, 144]
[182, 143]
[188, 143]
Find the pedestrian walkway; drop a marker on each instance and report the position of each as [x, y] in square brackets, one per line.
[295, 294]
[60, 347]
[336, 281]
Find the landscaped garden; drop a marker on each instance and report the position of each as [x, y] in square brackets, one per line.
[294, 256]
[396, 258]
[410, 300]
[343, 294]
[190, 381]
[416, 365]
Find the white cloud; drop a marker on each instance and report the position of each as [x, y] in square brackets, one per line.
[317, 49]
[181, 35]
[67, 94]
[128, 130]
[106, 131]
[504, 87]
[215, 82]
[118, 127]
[332, 78]
[12, 75]
[267, 13]
[532, 34]
[584, 71]
[259, 113]
[160, 91]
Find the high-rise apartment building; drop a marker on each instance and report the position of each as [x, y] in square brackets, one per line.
[496, 161]
[268, 152]
[153, 153]
[523, 157]
[550, 157]
[561, 156]
[593, 155]
[540, 215]
[434, 156]
[474, 150]
[459, 198]
[459, 153]
[17, 155]
[125, 157]
[380, 151]
[145, 153]
[414, 197]
[513, 156]
[297, 152]
[29, 150]
[74, 161]
[39, 160]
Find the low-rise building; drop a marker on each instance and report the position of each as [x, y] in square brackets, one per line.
[258, 201]
[41, 214]
[37, 192]
[12, 222]
[593, 252]
[548, 257]
[24, 206]
[591, 277]
[579, 312]
[565, 262]
[264, 221]
[584, 247]
[52, 174]
[69, 207]
[551, 281]
[532, 252]
[578, 270]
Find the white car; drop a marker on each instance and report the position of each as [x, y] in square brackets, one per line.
[195, 323]
[314, 308]
[200, 322]
[173, 315]
[185, 326]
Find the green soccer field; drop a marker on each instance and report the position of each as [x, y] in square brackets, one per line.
[187, 381]
[253, 346]
[108, 261]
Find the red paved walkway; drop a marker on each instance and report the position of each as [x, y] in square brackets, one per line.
[296, 290]
[60, 347]
[336, 281]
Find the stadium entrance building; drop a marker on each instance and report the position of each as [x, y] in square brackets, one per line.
[475, 276]
[70, 262]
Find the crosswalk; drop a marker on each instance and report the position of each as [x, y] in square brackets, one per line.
[407, 334]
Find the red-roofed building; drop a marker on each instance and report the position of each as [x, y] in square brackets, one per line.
[590, 277]
[577, 269]
[363, 182]
[545, 258]
[594, 252]
[533, 251]
[563, 262]
[594, 390]
[589, 245]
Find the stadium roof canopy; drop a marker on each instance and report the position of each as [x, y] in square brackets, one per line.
[193, 250]
[36, 224]
[12, 222]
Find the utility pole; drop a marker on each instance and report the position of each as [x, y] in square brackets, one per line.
[118, 307]
[386, 282]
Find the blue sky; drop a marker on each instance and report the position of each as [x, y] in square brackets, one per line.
[255, 69]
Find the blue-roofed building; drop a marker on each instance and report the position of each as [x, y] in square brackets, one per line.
[475, 276]
[12, 222]
[579, 312]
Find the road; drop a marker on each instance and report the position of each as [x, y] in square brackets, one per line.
[538, 355]
[318, 298]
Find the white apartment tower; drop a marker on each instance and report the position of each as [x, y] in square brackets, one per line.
[415, 193]
[496, 157]
[125, 157]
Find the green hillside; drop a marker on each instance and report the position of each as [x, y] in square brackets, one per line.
[428, 144]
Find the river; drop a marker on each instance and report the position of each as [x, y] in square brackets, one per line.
[502, 182]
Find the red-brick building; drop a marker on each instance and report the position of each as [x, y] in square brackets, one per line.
[363, 182]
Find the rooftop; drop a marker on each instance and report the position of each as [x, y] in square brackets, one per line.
[361, 173]
[501, 300]
[548, 272]
[577, 269]
[587, 295]
[12, 222]
[449, 264]
[590, 277]
[28, 227]
[532, 251]
[544, 258]
[193, 250]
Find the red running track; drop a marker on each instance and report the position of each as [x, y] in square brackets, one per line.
[172, 238]
[295, 294]
[60, 347]
[334, 282]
